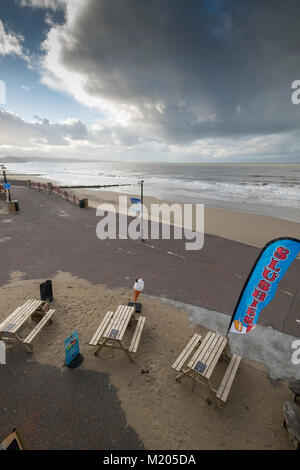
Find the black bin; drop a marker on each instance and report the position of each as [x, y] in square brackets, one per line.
[46, 291]
[83, 203]
[17, 207]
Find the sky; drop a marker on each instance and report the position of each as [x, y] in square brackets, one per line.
[150, 80]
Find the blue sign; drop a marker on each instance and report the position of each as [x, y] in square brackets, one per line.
[72, 347]
[135, 200]
[7, 185]
[261, 285]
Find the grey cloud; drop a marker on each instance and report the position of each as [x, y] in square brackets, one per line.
[11, 43]
[48, 4]
[17, 132]
[230, 63]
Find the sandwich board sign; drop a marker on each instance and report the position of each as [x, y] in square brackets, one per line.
[73, 356]
[13, 442]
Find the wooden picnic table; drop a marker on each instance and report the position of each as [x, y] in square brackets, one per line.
[291, 421]
[112, 328]
[204, 355]
[38, 310]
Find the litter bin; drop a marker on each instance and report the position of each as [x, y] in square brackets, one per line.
[13, 206]
[83, 203]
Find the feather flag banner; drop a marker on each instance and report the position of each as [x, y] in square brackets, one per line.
[270, 267]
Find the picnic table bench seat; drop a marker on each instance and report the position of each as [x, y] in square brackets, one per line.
[291, 421]
[227, 381]
[99, 332]
[47, 318]
[187, 351]
[137, 334]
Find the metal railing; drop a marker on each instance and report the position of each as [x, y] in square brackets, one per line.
[56, 189]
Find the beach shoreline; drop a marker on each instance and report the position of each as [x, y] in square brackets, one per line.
[262, 188]
[243, 227]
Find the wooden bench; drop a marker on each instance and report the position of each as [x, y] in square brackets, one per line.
[37, 310]
[187, 351]
[291, 421]
[20, 316]
[137, 335]
[227, 381]
[112, 329]
[199, 359]
[99, 333]
[47, 318]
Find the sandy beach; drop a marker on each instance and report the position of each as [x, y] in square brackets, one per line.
[165, 414]
[239, 226]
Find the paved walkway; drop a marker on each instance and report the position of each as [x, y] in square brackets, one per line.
[51, 234]
[61, 409]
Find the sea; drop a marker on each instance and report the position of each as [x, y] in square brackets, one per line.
[271, 189]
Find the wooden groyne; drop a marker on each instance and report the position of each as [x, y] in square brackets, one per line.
[97, 186]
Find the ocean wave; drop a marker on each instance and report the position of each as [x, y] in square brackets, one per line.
[215, 183]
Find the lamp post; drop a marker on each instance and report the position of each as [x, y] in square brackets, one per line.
[142, 203]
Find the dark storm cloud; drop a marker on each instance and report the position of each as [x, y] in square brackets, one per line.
[194, 69]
